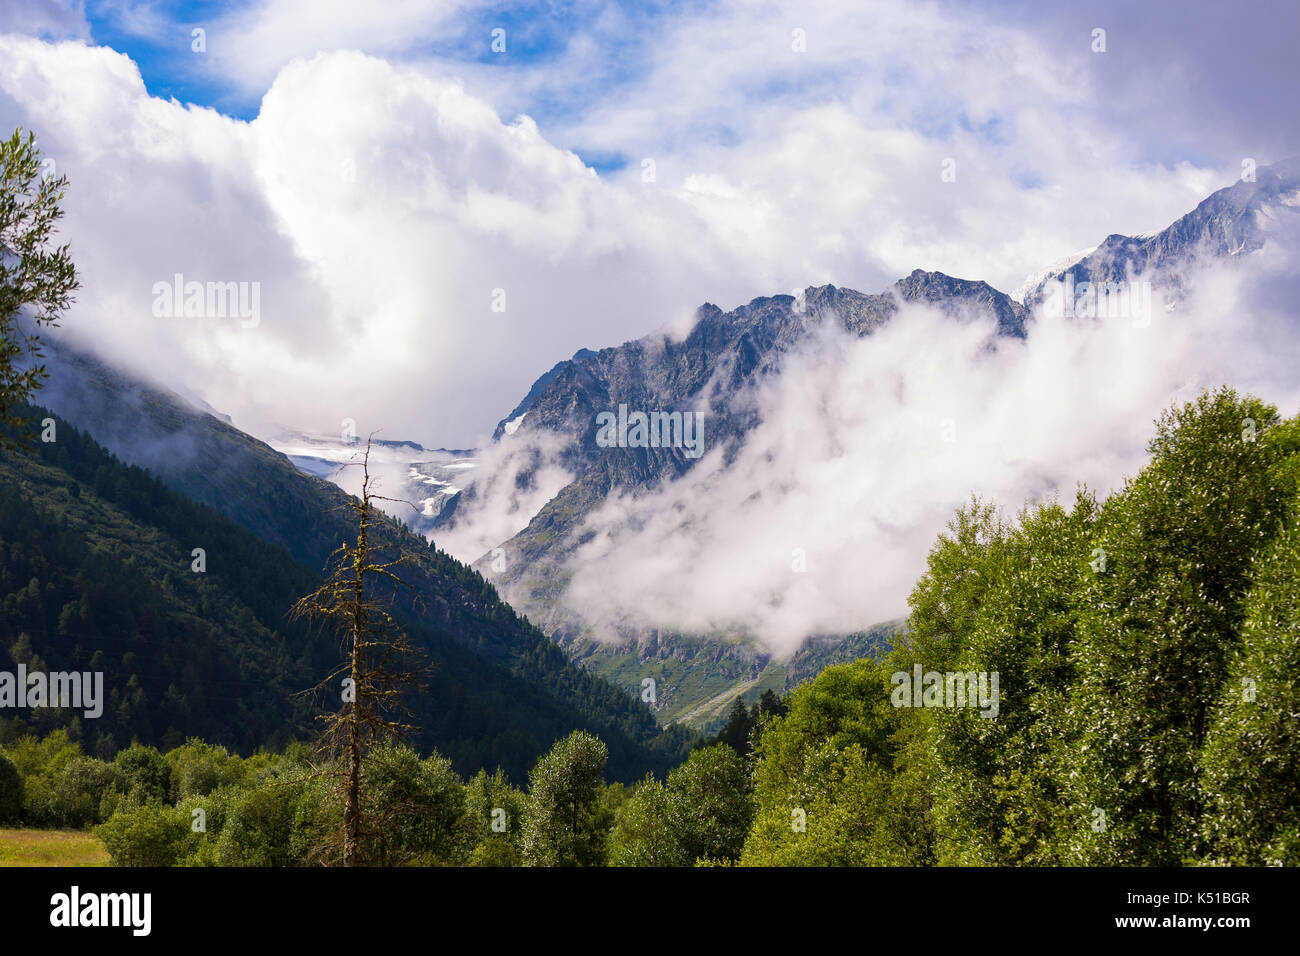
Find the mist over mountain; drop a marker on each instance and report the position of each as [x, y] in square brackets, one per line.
[841, 429]
[1235, 221]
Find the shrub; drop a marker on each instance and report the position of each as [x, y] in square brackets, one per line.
[149, 835]
[11, 791]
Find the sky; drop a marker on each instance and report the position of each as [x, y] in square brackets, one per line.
[431, 222]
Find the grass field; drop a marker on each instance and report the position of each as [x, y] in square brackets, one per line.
[51, 848]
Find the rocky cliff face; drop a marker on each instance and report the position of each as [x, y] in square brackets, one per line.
[723, 352]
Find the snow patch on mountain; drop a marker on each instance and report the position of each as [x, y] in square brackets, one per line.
[422, 480]
[1056, 268]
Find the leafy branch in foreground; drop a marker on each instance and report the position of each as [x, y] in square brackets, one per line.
[34, 275]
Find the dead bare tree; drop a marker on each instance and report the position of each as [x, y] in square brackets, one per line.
[379, 660]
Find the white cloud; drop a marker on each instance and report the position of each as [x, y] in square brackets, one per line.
[51, 19]
[251, 44]
[378, 208]
[381, 205]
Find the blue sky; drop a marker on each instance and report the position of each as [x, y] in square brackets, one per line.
[160, 43]
[158, 38]
[160, 51]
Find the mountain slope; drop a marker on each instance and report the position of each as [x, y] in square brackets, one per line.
[211, 462]
[724, 353]
[95, 575]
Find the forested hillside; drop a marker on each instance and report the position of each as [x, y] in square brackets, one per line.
[97, 574]
[211, 462]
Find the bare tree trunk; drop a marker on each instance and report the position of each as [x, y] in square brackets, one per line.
[352, 798]
[352, 803]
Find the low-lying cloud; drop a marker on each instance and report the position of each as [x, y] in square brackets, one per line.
[867, 445]
[513, 480]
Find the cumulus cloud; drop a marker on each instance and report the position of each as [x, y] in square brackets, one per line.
[867, 445]
[380, 211]
[157, 190]
[257, 40]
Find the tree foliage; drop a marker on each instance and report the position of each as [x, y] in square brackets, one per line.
[37, 278]
[563, 820]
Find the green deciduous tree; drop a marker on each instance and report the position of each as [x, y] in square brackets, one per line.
[260, 826]
[643, 834]
[143, 774]
[563, 822]
[703, 812]
[821, 783]
[495, 812]
[37, 278]
[709, 804]
[11, 792]
[996, 777]
[147, 835]
[74, 794]
[1250, 765]
[961, 567]
[1161, 624]
[416, 810]
[198, 768]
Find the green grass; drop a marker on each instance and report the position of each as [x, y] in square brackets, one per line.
[51, 848]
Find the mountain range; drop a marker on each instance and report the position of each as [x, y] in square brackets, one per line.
[711, 369]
